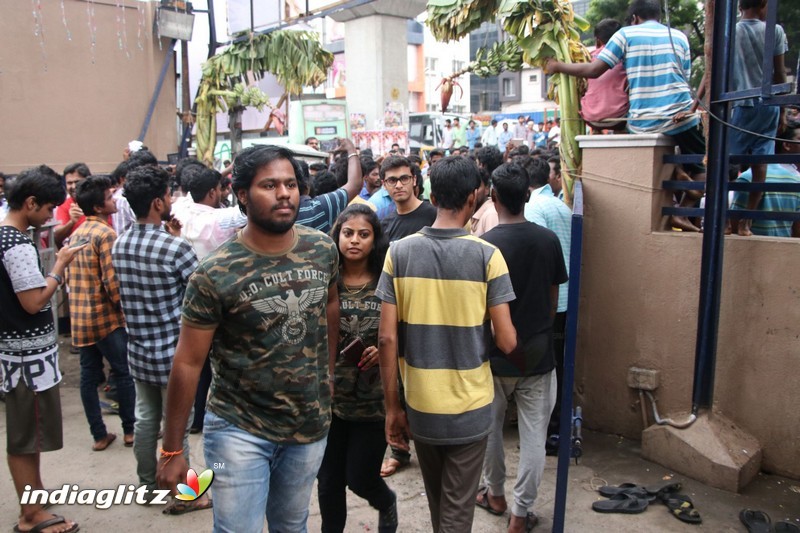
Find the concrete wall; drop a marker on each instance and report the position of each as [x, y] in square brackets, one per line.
[59, 107]
[639, 299]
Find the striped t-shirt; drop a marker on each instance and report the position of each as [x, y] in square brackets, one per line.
[656, 75]
[771, 201]
[443, 282]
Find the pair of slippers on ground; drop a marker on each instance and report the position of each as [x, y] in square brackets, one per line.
[482, 501]
[630, 498]
[760, 522]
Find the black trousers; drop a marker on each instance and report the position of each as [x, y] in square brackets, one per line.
[352, 459]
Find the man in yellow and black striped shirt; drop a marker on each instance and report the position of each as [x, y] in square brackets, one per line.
[442, 290]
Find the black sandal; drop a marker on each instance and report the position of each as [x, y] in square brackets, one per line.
[482, 501]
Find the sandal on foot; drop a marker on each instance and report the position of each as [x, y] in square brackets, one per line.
[755, 521]
[128, 440]
[482, 501]
[391, 465]
[531, 520]
[682, 507]
[41, 526]
[178, 507]
[105, 442]
[786, 527]
[621, 503]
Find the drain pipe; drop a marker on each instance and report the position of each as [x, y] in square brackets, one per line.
[667, 421]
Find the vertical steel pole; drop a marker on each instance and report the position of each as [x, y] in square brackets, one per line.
[571, 342]
[715, 212]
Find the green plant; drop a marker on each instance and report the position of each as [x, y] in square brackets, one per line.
[295, 58]
[538, 30]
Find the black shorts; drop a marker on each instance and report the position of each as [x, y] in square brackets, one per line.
[33, 420]
[692, 142]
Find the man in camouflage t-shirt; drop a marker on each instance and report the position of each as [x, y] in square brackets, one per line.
[268, 301]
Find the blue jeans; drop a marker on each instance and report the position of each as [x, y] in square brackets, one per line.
[114, 348]
[151, 401]
[259, 478]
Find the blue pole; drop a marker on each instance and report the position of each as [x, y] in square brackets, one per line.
[571, 337]
[157, 91]
[715, 213]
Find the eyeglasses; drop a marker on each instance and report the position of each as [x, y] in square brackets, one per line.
[392, 182]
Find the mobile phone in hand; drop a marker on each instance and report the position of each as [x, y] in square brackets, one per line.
[79, 243]
[352, 352]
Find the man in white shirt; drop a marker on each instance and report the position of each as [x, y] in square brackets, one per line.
[519, 128]
[447, 135]
[554, 135]
[489, 137]
[201, 219]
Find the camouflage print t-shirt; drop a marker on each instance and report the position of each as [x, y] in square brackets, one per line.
[270, 357]
[357, 395]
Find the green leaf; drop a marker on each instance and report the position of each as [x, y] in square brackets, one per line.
[581, 23]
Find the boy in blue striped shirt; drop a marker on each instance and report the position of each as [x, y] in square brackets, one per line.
[657, 61]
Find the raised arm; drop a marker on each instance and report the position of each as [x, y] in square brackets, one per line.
[354, 178]
[595, 69]
[34, 300]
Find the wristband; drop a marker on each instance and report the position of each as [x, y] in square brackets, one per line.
[352, 155]
[165, 453]
[56, 277]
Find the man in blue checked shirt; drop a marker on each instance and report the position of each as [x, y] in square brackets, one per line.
[153, 268]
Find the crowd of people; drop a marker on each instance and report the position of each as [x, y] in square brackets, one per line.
[325, 344]
[306, 317]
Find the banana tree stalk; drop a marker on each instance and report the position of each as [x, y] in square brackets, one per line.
[537, 30]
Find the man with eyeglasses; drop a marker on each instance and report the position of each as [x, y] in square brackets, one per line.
[410, 214]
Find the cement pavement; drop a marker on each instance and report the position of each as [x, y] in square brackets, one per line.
[607, 459]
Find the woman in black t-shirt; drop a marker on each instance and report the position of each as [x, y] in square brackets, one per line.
[356, 441]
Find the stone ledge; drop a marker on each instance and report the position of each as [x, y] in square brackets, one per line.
[713, 450]
[641, 140]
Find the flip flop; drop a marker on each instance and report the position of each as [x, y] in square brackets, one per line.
[105, 442]
[651, 493]
[786, 527]
[178, 507]
[664, 488]
[755, 521]
[621, 503]
[630, 489]
[682, 507]
[482, 501]
[128, 440]
[41, 526]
